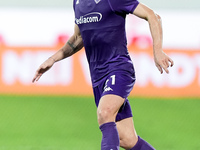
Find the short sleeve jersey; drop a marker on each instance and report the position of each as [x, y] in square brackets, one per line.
[102, 27]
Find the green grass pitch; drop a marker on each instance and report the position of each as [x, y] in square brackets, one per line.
[69, 123]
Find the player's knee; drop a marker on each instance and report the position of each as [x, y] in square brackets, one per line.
[104, 115]
[128, 142]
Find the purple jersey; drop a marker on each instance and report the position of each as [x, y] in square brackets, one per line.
[102, 27]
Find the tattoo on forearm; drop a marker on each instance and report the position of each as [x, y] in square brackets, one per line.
[72, 46]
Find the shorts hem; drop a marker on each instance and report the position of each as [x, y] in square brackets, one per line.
[121, 118]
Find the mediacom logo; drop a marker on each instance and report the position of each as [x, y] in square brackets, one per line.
[89, 18]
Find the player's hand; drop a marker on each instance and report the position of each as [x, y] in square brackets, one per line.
[162, 61]
[43, 68]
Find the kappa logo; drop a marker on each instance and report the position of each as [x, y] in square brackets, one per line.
[97, 1]
[108, 89]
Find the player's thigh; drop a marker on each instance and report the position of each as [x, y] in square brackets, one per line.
[127, 134]
[108, 107]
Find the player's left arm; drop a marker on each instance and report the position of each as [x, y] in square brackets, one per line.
[162, 61]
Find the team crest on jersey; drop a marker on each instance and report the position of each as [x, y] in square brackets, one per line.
[97, 1]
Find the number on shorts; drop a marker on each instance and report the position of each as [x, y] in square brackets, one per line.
[113, 79]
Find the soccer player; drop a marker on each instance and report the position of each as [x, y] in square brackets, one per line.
[100, 29]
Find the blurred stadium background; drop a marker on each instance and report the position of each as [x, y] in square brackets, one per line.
[59, 113]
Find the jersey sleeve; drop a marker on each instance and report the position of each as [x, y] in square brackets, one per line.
[123, 6]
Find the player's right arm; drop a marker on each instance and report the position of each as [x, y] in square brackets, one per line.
[73, 45]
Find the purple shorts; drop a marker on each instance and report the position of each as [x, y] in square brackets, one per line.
[117, 83]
